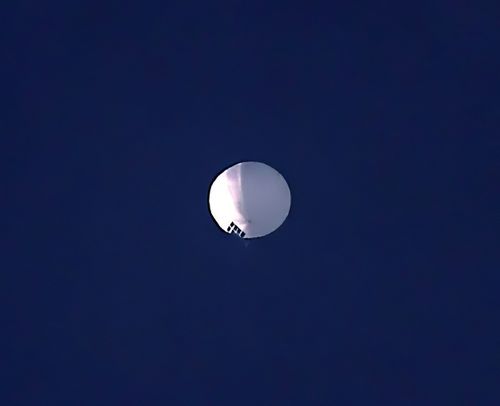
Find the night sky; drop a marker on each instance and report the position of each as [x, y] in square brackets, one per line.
[118, 288]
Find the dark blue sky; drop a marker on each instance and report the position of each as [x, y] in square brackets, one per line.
[381, 288]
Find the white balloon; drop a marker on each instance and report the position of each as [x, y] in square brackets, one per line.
[250, 199]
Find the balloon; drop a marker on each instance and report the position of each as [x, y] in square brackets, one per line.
[249, 199]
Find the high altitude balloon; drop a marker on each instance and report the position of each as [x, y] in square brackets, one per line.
[250, 199]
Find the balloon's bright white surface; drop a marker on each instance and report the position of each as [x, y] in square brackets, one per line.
[251, 196]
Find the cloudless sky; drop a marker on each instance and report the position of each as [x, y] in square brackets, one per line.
[381, 288]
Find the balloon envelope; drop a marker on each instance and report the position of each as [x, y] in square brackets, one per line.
[250, 199]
